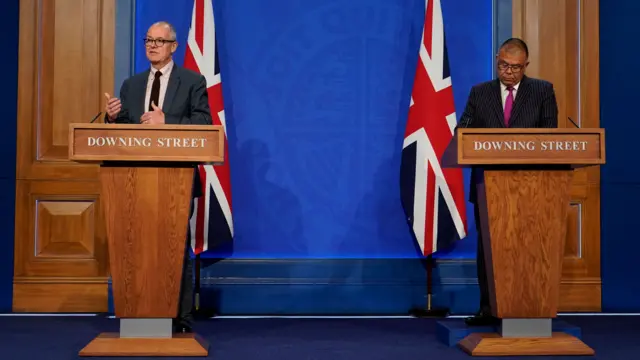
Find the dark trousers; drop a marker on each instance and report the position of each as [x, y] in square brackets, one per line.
[185, 317]
[185, 306]
[483, 283]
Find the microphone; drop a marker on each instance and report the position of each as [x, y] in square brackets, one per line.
[465, 122]
[462, 124]
[574, 124]
[95, 117]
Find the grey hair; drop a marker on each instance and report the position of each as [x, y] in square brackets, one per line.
[172, 30]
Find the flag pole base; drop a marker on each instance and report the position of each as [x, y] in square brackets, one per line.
[200, 313]
[429, 313]
[204, 313]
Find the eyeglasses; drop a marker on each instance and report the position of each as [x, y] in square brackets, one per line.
[514, 67]
[157, 42]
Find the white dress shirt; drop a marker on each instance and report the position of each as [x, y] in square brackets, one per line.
[504, 92]
[164, 81]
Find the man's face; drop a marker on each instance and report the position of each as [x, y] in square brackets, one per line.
[159, 44]
[511, 66]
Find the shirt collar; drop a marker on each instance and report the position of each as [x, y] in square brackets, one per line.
[503, 87]
[165, 70]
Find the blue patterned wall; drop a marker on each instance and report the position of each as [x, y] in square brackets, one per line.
[317, 93]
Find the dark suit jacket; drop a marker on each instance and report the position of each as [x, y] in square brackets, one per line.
[185, 102]
[535, 106]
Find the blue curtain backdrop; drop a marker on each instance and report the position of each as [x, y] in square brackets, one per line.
[317, 93]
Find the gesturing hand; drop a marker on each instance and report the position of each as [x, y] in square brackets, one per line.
[113, 106]
[154, 117]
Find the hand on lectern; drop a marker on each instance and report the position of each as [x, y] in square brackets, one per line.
[154, 117]
[113, 106]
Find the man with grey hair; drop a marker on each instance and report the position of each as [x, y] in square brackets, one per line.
[165, 94]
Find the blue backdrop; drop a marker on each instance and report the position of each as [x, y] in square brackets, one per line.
[317, 94]
[620, 177]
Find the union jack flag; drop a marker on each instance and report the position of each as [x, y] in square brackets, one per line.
[211, 222]
[432, 196]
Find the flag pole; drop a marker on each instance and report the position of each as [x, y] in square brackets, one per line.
[199, 312]
[197, 284]
[429, 311]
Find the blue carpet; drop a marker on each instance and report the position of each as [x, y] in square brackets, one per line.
[58, 338]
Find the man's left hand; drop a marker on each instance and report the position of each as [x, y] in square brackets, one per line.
[154, 117]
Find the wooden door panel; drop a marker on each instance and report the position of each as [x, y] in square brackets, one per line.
[61, 230]
[51, 296]
[66, 64]
[70, 60]
[563, 42]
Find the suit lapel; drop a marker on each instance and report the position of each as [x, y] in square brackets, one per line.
[172, 89]
[523, 92]
[139, 97]
[496, 101]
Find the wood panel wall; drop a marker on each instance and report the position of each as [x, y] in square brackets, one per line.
[65, 65]
[563, 40]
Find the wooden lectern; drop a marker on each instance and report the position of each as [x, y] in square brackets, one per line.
[147, 174]
[524, 200]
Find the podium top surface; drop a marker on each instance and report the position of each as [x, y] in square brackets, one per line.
[530, 146]
[153, 143]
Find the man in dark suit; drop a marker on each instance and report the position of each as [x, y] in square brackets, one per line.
[165, 94]
[513, 100]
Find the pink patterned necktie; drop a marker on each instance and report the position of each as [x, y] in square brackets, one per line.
[508, 104]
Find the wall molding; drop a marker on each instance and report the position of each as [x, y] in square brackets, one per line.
[334, 286]
[337, 286]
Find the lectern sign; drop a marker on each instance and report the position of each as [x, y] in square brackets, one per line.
[517, 146]
[99, 142]
[145, 142]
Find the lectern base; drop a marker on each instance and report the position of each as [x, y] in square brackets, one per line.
[111, 344]
[492, 344]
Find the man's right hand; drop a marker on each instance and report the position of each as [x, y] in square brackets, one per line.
[113, 106]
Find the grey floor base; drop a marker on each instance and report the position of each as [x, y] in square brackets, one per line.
[146, 328]
[526, 328]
